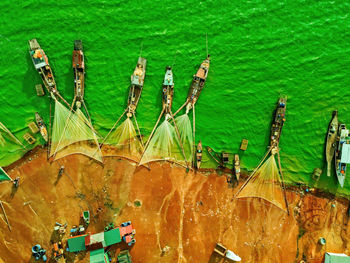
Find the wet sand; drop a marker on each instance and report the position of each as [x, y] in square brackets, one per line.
[181, 216]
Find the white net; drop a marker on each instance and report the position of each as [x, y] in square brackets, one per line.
[265, 183]
[185, 129]
[164, 145]
[6, 136]
[73, 133]
[125, 142]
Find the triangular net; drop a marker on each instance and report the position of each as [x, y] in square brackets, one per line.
[6, 137]
[73, 133]
[125, 142]
[185, 129]
[164, 145]
[265, 183]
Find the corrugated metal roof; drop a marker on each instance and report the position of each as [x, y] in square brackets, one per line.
[77, 243]
[97, 256]
[112, 237]
[336, 258]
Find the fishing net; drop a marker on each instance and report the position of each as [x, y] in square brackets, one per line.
[185, 129]
[164, 145]
[73, 133]
[6, 135]
[125, 141]
[2, 140]
[265, 183]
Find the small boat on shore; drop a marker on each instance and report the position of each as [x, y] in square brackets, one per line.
[199, 155]
[79, 72]
[214, 156]
[168, 90]
[41, 64]
[331, 141]
[42, 127]
[236, 167]
[198, 84]
[342, 153]
[280, 118]
[137, 80]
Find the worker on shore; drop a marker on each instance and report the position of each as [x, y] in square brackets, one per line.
[16, 182]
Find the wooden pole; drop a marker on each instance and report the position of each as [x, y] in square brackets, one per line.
[149, 139]
[284, 188]
[194, 136]
[7, 221]
[176, 112]
[179, 138]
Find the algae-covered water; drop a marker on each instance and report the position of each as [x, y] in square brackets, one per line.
[258, 51]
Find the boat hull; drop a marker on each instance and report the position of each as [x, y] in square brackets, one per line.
[168, 90]
[42, 127]
[199, 155]
[79, 71]
[331, 141]
[277, 125]
[137, 80]
[340, 166]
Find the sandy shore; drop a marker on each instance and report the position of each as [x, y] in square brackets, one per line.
[181, 216]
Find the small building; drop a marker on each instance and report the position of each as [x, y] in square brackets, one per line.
[336, 258]
[76, 243]
[98, 256]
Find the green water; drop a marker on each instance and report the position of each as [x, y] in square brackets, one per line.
[258, 50]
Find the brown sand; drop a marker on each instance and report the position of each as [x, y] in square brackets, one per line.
[183, 214]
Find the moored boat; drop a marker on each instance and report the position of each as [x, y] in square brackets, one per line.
[41, 64]
[342, 153]
[199, 155]
[278, 122]
[137, 80]
[168, 90]
[42, 126]
[198, 83]
[79, 72]
[236, 167]
[214, 156]
[331, 141]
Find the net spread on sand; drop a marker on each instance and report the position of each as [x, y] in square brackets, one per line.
[73, 133]
[164, 145]
[265, 183]
[125, 141]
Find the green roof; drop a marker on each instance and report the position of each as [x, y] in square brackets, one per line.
[336, 258]
[112, 237]
[97, 256]
[76, 244]
[124, 257]
[4, 176]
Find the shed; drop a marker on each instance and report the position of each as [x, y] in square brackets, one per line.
[336, 258]
[98, 256]
[112, 237]
[77, 243]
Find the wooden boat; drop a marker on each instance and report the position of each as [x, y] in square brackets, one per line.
[236, 167]
[244, 144]
[41, 64]
[199, 155]
[79, 71]
[168, 90]
[198, 83]
[214, 156]
[137, 80]
[342, 153]
[331, 141]
[278, 122]
[42, 126]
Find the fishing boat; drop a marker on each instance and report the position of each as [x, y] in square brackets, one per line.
[42, 126]
[41, 64]
[79, 72]
[168, 90]
[331, 141]
[198, 83]
[214, 156]
[137, 80]
[342, 153]
[199, 155]
[278, 122]
[236, 167]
